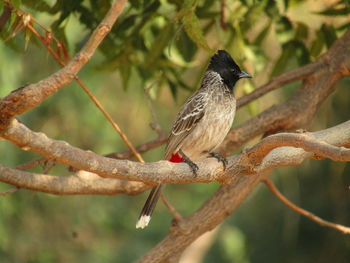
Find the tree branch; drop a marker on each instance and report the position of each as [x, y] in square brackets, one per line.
[303, 212]
[225, 201]
[62, 63]
[247, 163]
[9, 191]
[296, 113]
[305, 141]
[82, 183]
[111, 121]
[31, 164]
[31, 96]
[280, 81]
[176, 215]
[332, 66]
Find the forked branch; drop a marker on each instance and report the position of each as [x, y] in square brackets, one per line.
[265, 156]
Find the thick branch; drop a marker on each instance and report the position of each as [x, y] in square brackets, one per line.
[296, 113]
[31, 96]
[305, 141]
[170, 173]
[82, 183]
[228, 198]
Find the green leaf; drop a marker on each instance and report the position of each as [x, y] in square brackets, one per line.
[151, 8]
[292, 50]
[38, 5]
[329, 34]
[126, 24]
[335, 11]
[205, 9]
[159, 44]
[317, 45]
[192, 26]
[87, 17]
[16, 3]
[262, 35]
[302, 53]
[186, 47]
[271, 8]
[173, 89]
[292, 3]
[125, 73]
[288, 51]
[302, 31]
[136, 3]
[284, 29]
[343, 27]
[253, 107]
[189, 4]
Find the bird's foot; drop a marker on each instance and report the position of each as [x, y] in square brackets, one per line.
[220, 159]
[192, 165]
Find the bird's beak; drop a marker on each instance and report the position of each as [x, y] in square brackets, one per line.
[244, 75]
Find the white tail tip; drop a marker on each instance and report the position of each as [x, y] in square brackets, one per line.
[143, 221]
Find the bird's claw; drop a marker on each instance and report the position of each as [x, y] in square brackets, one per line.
[192, 165]
[221, 159]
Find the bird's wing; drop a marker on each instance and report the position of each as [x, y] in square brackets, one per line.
[192, 112]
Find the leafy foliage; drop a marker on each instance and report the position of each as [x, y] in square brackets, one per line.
[153, 36]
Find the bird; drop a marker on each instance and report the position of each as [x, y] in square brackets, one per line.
[203, 122]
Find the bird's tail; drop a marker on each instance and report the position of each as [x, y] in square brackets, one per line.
[147, 210]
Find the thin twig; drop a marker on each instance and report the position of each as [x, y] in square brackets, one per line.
[32, 18]
[280, 81]
[303, 212]
[31, 164]
[48, 165]
[31, 96]
[9, 191]
[155, 122]
[145, 147]
[111, 121]
[177, 216]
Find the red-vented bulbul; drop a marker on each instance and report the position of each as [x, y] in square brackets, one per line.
[203, 122]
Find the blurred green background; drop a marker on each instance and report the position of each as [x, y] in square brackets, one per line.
[171, 41]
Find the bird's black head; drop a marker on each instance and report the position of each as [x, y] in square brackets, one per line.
[226, 67]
